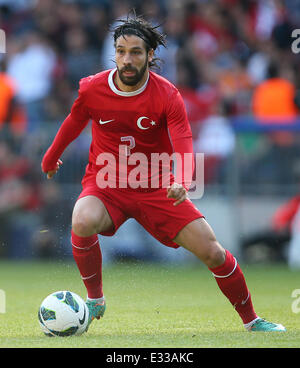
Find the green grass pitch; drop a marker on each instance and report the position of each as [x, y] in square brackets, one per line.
[150, 306]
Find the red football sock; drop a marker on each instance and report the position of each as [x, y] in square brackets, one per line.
[231, 281]
[88, 257]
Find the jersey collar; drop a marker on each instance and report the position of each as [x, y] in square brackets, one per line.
[122, 93]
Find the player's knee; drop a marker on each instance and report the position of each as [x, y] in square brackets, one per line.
[84, 225]
[215, 256]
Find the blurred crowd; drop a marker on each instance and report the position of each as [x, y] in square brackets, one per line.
[227, 57]
[218, 51]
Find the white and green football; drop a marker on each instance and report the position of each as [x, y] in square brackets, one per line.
[63, 313]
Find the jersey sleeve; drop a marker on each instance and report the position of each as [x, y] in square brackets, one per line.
[70, 129]
[181, 138]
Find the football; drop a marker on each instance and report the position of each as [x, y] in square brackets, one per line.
[63, 313]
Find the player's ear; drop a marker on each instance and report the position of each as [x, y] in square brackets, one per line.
[150, 55]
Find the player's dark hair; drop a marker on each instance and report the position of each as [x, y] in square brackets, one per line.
[138, 26]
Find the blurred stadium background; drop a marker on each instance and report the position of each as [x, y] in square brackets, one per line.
[234, 64]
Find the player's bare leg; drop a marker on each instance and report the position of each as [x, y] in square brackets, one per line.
[199, 238]
[90, 217]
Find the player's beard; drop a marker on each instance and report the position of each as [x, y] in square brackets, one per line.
[136, 78]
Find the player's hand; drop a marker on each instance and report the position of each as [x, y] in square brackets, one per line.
[178, 192]
[51, 173]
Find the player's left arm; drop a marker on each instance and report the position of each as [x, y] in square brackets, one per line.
[181, 137]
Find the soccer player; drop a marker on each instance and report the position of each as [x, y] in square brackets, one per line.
[136, 113]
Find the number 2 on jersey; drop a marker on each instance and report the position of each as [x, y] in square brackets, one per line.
[131, 144]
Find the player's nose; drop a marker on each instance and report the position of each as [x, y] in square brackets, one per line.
[127, 59]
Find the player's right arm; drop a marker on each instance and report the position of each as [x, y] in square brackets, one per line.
[70, 129]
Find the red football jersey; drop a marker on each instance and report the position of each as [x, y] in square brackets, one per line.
[139, 124]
